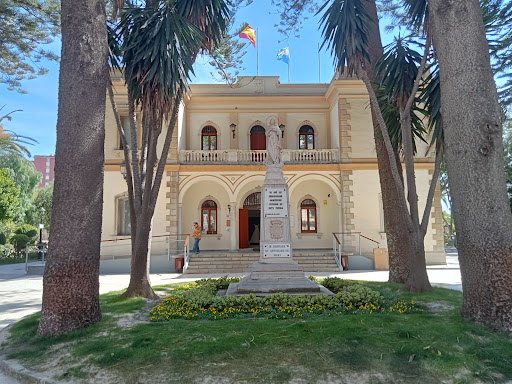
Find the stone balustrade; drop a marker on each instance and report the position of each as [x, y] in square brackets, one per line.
[234, 156]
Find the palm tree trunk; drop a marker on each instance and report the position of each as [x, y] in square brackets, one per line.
[71, 279]
[140, 284]
[474, 156]
[395, 224]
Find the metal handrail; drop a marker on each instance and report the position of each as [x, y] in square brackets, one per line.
[41, 248]
[167, 236]
[336, 246]
[186, 249]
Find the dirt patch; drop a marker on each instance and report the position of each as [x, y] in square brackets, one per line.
[139, 317]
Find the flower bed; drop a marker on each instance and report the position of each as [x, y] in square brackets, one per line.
[200, 302]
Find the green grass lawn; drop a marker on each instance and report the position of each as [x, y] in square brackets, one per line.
[432, 346]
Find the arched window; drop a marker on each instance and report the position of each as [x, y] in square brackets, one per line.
[306, 137]
[308, 216]
[209, 138]
[209, 212]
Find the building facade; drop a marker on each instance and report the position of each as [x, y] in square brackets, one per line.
[215, 168]
[45, 165]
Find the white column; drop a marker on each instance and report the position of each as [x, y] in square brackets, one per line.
[234, 228]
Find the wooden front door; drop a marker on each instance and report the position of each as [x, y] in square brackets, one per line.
[258, 138]
[243, 228]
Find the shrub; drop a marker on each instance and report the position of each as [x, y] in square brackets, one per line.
[200, 302]
[3, 238]
[23, 235]
[335, 284]
[19, 241]
[26, 229]
[216, 284]
[198, 298]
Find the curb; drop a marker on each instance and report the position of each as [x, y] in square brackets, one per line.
[19, 372]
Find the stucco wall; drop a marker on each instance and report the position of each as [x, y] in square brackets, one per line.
[206, 189]
[294, 121]
[363, 145]
[326, 214]
[114, 187]
[218, 120]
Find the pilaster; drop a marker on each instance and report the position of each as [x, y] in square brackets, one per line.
[437, 255]
[345, 131]
[348, 210]
[171, 206]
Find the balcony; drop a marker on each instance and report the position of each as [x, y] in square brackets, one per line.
[234, 156]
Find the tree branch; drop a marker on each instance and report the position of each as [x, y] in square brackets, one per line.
[167, 144]
[135, 152]
[432, 188]
[387, 143]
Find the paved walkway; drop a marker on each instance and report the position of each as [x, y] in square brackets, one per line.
[20, 295]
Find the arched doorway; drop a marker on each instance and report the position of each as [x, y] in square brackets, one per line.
[249, 222]
[258, 139]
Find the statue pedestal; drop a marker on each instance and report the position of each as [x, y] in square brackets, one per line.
[276, 271]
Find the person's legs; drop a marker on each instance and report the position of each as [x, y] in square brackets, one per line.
[196, 246]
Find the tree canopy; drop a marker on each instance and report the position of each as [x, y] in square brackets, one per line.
[26, 179]
[9, 196]
[44, 200]
[26, 25]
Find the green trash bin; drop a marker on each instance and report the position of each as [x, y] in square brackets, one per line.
[179, 262]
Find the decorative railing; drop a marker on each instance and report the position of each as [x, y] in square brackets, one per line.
[233, 156]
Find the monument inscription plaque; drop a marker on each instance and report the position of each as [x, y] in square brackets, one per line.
[275, 202]
[276, 250]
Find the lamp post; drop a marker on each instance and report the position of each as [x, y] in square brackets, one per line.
[41, 226]
[233, 129]
[282, 126]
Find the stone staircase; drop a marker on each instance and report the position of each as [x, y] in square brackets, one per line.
[219, 262]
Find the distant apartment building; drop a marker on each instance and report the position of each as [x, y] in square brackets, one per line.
[45, 165]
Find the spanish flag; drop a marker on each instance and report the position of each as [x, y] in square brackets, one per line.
[249, 33]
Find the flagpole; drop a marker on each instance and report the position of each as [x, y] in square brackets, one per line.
[319, 77]
[257, 52]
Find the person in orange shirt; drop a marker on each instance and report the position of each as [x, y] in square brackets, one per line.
[197, 236]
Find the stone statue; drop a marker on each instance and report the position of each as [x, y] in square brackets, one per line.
[274, 146]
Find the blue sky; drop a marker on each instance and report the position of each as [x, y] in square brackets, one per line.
[38, 118]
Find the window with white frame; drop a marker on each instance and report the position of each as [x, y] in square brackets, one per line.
[209, 138]
[308, 216]
[209, 214]
[123, 216]
[306, 137]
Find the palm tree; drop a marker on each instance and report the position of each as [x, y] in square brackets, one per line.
[159, 46]
[345, 29]
[10, 142]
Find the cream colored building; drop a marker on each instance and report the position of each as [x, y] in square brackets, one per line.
[215, 168]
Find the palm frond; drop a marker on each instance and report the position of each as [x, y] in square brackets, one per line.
[430, 97]
[210, 16]
[398, 69]
[345, 32]
[11, 143]
[158, 51]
